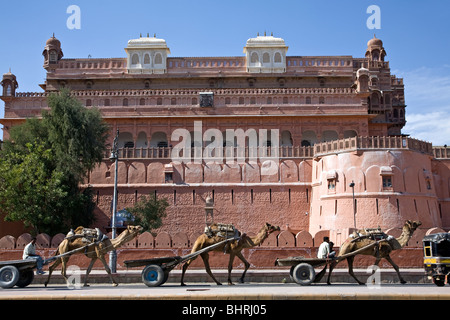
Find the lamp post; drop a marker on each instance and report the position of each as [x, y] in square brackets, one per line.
[352, 185]
[114, 156]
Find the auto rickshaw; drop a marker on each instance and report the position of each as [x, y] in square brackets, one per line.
[436, 250]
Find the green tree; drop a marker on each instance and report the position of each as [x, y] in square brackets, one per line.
[148, 212]
[60, 149]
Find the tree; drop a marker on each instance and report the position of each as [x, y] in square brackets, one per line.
[30, 191]
[44, 163]
[148, 212]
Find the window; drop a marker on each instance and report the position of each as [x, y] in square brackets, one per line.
[8, 90]
[254, 58]
[142, 102]
[107, 102]
[135, 59]
[241, 100]
[266, 58]
[158, 58]
[308, 100]
[321, 100]
[173, 101]
[125, 102]
[387, 182]
[88, 103]
[53, 57]
[147, 59]
[277, 58]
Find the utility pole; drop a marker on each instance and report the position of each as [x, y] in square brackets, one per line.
[352, 185]
[114, 156]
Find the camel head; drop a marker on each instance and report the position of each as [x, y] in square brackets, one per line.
[135, 230]
[412, 225]
[270, 228]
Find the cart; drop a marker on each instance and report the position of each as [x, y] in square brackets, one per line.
[20, 272]
[156, 271]
[16, 273]
[302, 269]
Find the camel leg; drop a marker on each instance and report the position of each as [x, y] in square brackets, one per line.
[108, 270]
[230, 268]
[332, 265]
[350, 269]
[89, 271]
[64, 261]
[185, 266]
[50, 270]
[205, 258]
[389, 259]
[246, 263]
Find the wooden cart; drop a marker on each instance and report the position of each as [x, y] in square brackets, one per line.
[16, 273]
[156, 271]
[302, 269]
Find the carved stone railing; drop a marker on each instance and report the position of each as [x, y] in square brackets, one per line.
[441, 152]
[372, 143]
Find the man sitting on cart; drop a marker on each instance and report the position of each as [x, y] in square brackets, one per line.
[29, 252]
[325, 248]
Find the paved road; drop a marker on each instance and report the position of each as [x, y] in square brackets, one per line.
[251, 291]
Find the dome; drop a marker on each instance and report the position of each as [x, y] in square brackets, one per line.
[265, 41]
[147, 43]
[53, 42]
[375, 42]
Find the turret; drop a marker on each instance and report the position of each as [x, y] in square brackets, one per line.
[375, 50]
[52, 53]
[9, 84]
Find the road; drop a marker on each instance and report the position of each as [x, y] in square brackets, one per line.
[248, 291]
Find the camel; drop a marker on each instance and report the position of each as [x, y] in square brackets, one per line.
[96, 250]
[233, 248]
[382, 250]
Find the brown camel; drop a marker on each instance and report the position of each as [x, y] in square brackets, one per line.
[382, 250]
[96, 250]
[233, 248]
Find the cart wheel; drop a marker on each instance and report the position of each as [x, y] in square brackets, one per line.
[304, 274]
[26, 277]
[9, 275]
[153, 276]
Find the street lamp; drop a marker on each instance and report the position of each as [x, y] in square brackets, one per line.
[352, 185]
[114, 157]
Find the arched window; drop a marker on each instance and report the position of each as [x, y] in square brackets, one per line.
[147, 59]
[142, 102]
[159, 101]
[194, 101]
[321, 100]
[173, 101]
[107, 103]
[269, 100]
[158, 58]
[125, 102]
[53, 57]
[241, 100]
[227, 100]
[135, 59]
[308, 100]
[88, 103]
[277, 58]
[254, 58]
[252, 100]
[266, 57]
[8, 90]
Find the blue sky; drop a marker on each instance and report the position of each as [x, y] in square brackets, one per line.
[415, 35]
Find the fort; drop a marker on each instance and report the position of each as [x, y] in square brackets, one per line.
[342, 161]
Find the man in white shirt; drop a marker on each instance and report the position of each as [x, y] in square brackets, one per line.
[324, 251]
[29, 252]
